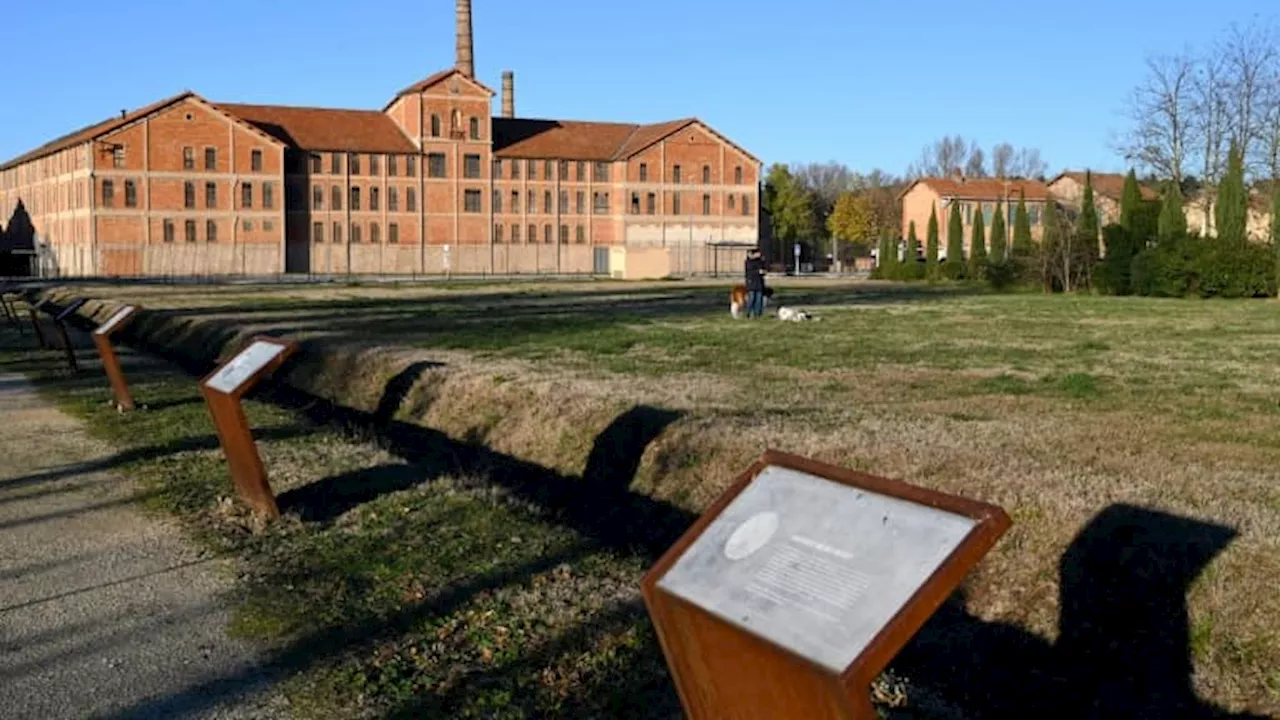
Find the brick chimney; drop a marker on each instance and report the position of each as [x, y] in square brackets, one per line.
[465, 62]
[508, 94]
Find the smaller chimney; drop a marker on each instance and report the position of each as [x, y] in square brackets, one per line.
[123, 113]
[958, 175]
[508, 94]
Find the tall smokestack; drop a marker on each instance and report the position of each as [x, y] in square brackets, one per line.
[508, 94]
[465, 62]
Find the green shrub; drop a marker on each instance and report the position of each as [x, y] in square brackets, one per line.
[1205, 268]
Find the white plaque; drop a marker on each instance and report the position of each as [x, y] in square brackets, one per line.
[813, 565]
[249, 361]
[115, 320]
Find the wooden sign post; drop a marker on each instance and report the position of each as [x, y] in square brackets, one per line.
[110, 362]
[10, 311]
[801, 582]
[222, 392]
[61, 321]
[35, 323]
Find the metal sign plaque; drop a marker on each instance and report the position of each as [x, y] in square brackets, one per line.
[244, 366]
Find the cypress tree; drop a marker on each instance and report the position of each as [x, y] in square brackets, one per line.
[1085, 251]
[1130, 202]
[978, 247]
[1233, 201]
[1172, 225]
[912, 271]
[955, 244]
[1051, 245]
[1021, 228]
[931, 245]
[998, 238]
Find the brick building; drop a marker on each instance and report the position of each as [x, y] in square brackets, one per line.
[433, 182]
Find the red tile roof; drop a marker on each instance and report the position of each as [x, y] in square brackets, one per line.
[581, 140]
[325, 128]
[89, 132]
[1108, 184]
[432, 79]
[983, 188]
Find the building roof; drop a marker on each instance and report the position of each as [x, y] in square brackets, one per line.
[434, 78]
[1109, 185]
[982, 188]
[583, 140]
[325, 128]
[89, 132]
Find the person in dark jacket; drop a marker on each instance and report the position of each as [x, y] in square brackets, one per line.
[755, 284]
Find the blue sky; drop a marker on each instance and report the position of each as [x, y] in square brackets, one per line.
[864, 82]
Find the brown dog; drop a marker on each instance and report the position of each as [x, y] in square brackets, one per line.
[738, 299]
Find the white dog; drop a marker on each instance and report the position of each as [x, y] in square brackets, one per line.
[794, 315]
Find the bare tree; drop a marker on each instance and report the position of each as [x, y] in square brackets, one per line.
[1161, 110]
[1250, 56]
[1002, 160]
[1210, 121]
[1028, 164]
[976, 165]
[940, 159]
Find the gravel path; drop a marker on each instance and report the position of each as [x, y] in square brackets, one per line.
[103, 611]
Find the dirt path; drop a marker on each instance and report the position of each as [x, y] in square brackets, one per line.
[101, 607]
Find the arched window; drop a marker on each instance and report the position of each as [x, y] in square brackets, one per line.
[475, 128]
[435, 126]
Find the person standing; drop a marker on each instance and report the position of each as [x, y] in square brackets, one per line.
[755, 283]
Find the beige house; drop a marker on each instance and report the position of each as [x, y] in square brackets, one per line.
[1108, 188]
[972, 195]
[1200, 216]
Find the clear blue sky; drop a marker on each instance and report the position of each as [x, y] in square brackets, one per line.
[864, 82]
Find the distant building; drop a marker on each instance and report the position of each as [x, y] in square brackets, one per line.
[1108, 188]
[430, 183]
[973, 196]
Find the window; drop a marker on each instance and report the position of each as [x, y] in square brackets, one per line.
[435, 165]
[546, 233]
[581, 202]
[374, 198]
[564, 201]
[411, 199]
[533, 233]
[497, 233]
[210, 158]
[435, 126]
[316, 167]
[353, 166]
[189, 229]
[644, 172]
[497, 169]
[515, 169]
[582, 171]
[246, 195]
[393, 233]
[515, 233]
[497, 201]
[475, 128]
[746, 205]
[117, 156]
[580, 236]
[411, 166]
[650, 203]
[188, 194]
[168, 231]
[986, 212]
[355, 233]
[393, 199]
[337, 198]
[1033, 214]
[211, 195]
[471, 201]
[515, 201]
[335, 164]
[268, 195]
[391, 166]
[471, 166]
[188, 158]
[600, 202]
[737, 175]
[373, 165]
[564, 234]
[532, 166]
[531, 205]
[108, 194]
[635, 203]
[130, 193]
[317, 198]
[375, 233]
[675, 174]
[317, 232]
[564, 170]
[731, 199]
[355, 204]
[210, 231]
[706, 204]
[706, 174]
[675, 203]
[546, 202]
[248, 226]
[601, 172]
[337, 232]
[255, 161]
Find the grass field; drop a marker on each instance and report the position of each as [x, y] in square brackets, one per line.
[487, 564]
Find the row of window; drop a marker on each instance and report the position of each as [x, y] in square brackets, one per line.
[968, 209]
[189, 194]
[356, 233]
[579, 234]
[189, 158]
[375, 198]
[190, 227]
[651, 202]
[355, 167]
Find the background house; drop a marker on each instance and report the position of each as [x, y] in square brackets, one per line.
[972, 195]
